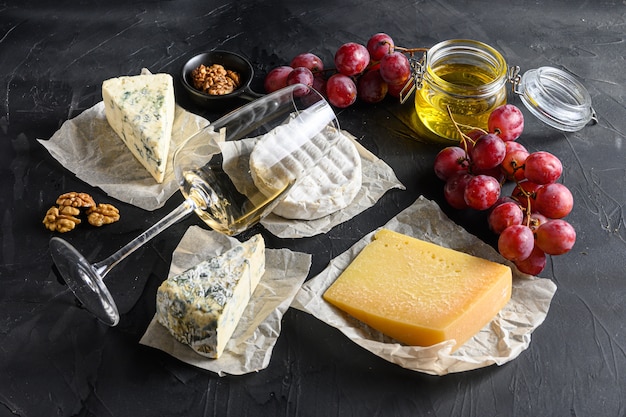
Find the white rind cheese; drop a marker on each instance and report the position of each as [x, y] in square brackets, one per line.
[140, 109]
[324, 173]
[329, 186]
[281, 156]
[202, 306]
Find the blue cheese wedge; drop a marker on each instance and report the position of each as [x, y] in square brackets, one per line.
[140, 109]
[202, 306]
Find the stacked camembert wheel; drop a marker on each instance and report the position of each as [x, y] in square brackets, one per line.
[420, 293]
[328, 186]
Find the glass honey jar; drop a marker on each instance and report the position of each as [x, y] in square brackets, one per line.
[465, 80]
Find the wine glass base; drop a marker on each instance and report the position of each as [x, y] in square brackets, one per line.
[84, 281]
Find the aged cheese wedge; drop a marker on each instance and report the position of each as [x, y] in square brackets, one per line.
[328, 187]
[420, 293]
[202, 306]
[140, 109]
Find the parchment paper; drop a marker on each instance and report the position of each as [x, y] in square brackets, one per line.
[250, 347]
[499, 342]
[88, 146]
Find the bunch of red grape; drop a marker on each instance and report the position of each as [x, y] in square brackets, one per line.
[529, 221]
[368, 72]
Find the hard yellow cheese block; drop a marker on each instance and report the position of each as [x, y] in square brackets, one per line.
[420, 293]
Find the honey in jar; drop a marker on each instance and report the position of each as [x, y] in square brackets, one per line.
[464, 79]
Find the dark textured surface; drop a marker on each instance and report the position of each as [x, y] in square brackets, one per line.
[55, 360]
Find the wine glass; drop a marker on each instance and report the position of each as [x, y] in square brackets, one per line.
[283, 134]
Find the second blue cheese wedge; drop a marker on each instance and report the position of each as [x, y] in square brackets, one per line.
[140, 109]
[202, 306]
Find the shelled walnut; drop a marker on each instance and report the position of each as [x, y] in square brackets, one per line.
[64, 217]
[75, 199]
[215, 79]
[102, 214]
[61, 219]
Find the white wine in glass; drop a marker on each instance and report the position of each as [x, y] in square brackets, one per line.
[232, 174]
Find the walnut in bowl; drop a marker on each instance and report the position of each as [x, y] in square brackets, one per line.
[218, 80]
[215, 79]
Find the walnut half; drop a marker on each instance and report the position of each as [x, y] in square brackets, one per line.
[102, 214]
[75, 199]
[61, 219]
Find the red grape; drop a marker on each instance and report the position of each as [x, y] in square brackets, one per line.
[308, 60]
[495, 172]
[481, 192]
[534, 264]
[542, 167]
[473, 136]
[300, 75]
[516, 242]
[450, 161]
[524, 192]
[379, 45]
[513, 164]
[371, 87]
[504, 199]
[319, 84]
[554, 201]
[556, 237]
[488, 152]
[504, 215]
[341, 90]
[454, 190]
[351, 58]
[394, 90]
[276, 78]
[395, 68]
[514, 146]
[534, 220]
[507, 121]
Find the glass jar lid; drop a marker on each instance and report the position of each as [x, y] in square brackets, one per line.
[556, 98]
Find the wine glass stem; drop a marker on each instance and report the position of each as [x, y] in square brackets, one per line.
[182, 211]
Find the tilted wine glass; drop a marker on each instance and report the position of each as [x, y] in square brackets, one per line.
[212, 168]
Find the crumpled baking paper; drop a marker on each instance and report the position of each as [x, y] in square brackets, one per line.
[499, 342]
[250, 347]
[88, 146]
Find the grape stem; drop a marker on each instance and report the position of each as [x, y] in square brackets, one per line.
[464, 137]
[410, 51]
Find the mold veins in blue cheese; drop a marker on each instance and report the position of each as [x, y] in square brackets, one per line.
[202, 306]
[140, 109]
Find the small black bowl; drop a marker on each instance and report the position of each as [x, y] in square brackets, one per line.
[230, 61]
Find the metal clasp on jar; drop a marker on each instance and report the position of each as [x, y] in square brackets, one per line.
[418, 67]
[514, 77]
